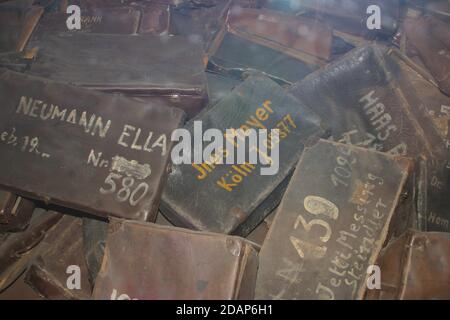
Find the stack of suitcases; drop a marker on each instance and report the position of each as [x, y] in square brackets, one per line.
[86, 173]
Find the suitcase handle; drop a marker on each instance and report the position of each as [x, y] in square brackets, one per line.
[19, 253]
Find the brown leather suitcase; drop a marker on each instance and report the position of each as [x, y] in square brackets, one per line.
[431, 108]
[434, 200]
[369, 100]
[153, 16]
[284, 47]
[61, 256]
[347, 16]
[202, 21]
[361, 99]
[428, 37]
[287, 33]
[427, 103]
[18, 249]
[415, 266]
[82, 149]
[143, 66]
[201, 24]
[331, 224]
[235, 55]
[15, 212]
[151, 262]
[113, 20]
[107, 18]
[19, 290]
[18, 18]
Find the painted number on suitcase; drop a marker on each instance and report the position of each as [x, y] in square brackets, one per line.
[125, 189]
[342, 172]
[316, 206]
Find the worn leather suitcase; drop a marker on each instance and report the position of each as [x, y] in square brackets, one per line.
[113, 20]
[203, 23]
[60, 256]
[348, 16]
[331, 223]
[230, 196]
[431, 108]
[370, 100]
[103, 154]
[415, 266]
[140, 66]
[257, 39]
[95, 234]
[295, 36]
[15, 212]
[434, 197]
[199, 24]
[363, 103]
[19, 290]
[233, 53]
[428, 38]
[18, 18]
[283, 46]
[18, 249]
[151, 18]
[177, 264]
